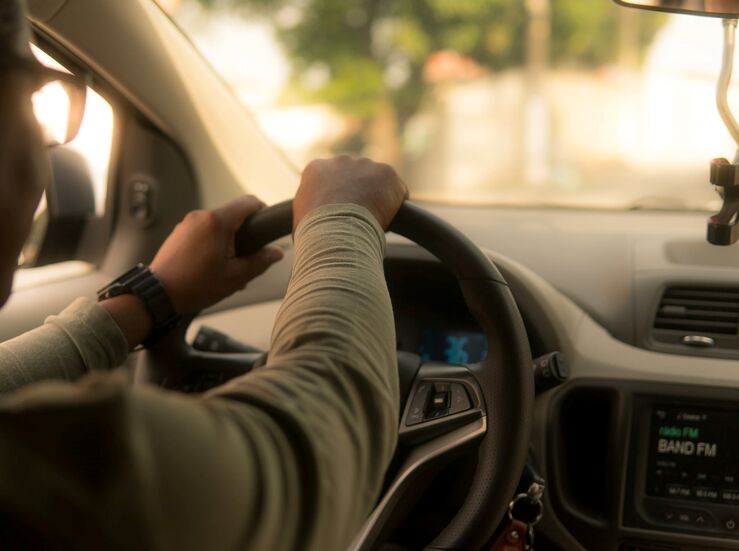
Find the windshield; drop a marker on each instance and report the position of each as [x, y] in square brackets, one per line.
[536, 102]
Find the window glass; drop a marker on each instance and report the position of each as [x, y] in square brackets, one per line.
[535, 102]
[95, 137]
[92, 145]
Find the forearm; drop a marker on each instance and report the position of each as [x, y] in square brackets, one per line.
[330, 385]
[80, 339]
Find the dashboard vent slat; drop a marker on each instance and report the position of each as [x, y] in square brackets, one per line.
[707, 304]
[699, 310]
[719, 294]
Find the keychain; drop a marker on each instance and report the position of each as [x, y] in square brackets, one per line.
[524, 512]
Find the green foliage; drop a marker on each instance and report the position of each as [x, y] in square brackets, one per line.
[584, 32]
[372, 52]
[587, 33]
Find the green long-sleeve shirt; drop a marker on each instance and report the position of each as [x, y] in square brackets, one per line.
[287, 457]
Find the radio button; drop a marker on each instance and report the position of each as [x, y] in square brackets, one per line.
[730, 495]
[683, 516]
[704, 519]
[730, 524]
[706, 493]
[678, 490]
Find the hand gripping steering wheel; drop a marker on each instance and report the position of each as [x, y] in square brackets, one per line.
[447, 407]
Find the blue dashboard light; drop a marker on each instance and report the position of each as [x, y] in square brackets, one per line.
[456, 352]
[453, 347]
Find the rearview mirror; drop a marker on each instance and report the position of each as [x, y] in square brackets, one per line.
[59, 106]
[727, 9]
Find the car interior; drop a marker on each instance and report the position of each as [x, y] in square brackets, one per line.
[583, 344]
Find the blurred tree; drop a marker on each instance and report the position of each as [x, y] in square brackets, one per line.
[367, 57]
[586, 33]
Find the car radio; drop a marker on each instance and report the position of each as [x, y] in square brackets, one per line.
[685, 477]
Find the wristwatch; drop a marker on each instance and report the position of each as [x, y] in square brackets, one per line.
[142, 283]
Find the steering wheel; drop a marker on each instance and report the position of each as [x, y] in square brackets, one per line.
[447, 407]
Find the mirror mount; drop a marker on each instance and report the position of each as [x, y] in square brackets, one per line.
[724, 80]
[722, 226]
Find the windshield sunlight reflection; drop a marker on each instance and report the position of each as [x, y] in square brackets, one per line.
[616, 116]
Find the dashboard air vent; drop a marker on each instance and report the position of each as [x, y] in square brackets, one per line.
[699, 310]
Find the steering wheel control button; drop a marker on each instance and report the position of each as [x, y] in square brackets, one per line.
[417, 411]
[438, 404]
[415, 416]
[436, 414]
[460, 401]
[435, 399]
[439, 401]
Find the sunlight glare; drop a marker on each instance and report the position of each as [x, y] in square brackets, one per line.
[95, 137]
[51, 106]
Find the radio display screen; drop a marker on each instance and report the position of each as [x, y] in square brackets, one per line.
[694, 454]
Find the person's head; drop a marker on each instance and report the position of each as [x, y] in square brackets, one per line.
[24, 167]
[24, 162]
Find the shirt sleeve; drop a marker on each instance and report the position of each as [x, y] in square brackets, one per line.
[288, 457]
[82, 338]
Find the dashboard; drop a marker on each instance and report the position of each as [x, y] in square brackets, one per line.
[640, 448]
[638, 465]
[587, 284]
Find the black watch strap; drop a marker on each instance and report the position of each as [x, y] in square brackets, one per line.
[142, 283]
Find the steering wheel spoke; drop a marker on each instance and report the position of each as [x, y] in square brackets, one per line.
[443, 416]
[443, 397]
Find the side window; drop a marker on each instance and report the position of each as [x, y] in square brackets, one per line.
[76, 198]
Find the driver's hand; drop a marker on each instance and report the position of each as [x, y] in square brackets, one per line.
[345, 179]
[197, 264]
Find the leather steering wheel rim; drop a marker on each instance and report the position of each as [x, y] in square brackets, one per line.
[504, 377]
